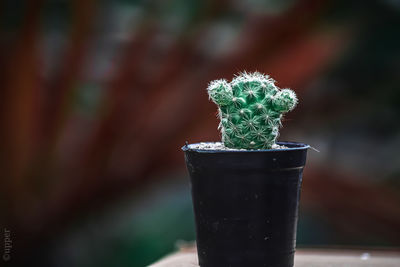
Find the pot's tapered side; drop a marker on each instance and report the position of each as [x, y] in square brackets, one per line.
[246, 204]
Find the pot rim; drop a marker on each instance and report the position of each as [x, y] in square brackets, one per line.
[292, 146]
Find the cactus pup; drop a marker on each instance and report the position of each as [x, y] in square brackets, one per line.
[250, 109]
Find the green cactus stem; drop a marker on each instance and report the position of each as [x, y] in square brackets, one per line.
[250, 109]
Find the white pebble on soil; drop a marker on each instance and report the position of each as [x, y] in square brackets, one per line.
[220, 146]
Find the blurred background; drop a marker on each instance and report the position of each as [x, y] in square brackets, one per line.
[97, 97]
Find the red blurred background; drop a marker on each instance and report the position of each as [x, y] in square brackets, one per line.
[98, 97]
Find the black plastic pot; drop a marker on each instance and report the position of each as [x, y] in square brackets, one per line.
[246, 204]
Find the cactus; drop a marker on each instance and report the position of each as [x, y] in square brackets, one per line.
[250, 110]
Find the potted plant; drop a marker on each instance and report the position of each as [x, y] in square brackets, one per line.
[246, 189]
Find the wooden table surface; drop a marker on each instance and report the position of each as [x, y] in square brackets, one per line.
[187, 257]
